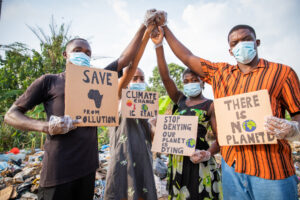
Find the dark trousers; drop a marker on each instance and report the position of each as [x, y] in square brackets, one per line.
[79, 189]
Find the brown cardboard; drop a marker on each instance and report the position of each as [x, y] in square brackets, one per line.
[91, 95]
[234, 111]
[175, 134]
[5, 193]
[139, 104]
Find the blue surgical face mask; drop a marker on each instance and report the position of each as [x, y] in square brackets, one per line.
[80, 58]
[137, 86]
[244, 52]
[192, 89]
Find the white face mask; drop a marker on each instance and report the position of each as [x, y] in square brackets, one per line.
[137, 86]
[80, 58]
[192, 89]
[244, 52]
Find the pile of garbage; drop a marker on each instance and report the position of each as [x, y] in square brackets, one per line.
[296, 158]
[20, 174]
[101, 172]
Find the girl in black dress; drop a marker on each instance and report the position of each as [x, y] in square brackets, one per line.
[195, 177]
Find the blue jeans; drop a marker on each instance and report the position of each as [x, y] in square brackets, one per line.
[239, 186]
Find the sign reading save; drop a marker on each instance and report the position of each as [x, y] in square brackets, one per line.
[91, 96]
[240, 119]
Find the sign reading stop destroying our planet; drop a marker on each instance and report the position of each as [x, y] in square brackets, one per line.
[175, 134]
[240, 119]
[139, 104]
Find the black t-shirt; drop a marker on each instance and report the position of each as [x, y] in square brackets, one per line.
[72, 155]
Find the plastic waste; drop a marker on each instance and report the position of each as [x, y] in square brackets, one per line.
[103, 147]
[3, 165]
[15, 150]
[160, 168]
[4, 157]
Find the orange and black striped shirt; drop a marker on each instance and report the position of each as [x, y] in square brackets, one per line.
[272, 161]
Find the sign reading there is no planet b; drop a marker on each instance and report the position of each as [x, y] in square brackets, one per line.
[175, 134]
[240, 119]
[91, 96]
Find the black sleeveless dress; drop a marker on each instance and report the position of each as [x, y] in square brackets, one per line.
[187, 180]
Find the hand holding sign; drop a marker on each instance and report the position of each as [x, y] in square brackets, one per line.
[282, 128]
[61, 125]
[200, 156]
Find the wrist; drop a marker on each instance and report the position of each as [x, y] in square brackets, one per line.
[143, 26]
[44, 127]
[158, 45]
[295, 132]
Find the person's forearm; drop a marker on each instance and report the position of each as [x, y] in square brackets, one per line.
[168, 82]
[17, 119]
[130, 52]
[214, 148]
[130, 70]
[162, 65]
[177, 47]
[186, 56]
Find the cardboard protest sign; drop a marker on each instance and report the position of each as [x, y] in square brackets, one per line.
[175, 134]
[6, 193]
[91, 96]
[240, 119]
[139, 104]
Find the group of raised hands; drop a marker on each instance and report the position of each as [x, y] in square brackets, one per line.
[155, 20]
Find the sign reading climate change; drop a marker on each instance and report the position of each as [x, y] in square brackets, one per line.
[240, 119]
[91, 96]
[175, 134]
[139, 104]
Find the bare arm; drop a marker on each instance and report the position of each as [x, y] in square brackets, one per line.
[16, 118]
[214, 148]
[296, 118]
[130, 70]
[184, 54]
[152, 121]
[169, 84]
[130, 52]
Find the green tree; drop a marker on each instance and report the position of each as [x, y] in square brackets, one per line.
[20, 66]
[53, 45]
[165, 103]
[175, 73]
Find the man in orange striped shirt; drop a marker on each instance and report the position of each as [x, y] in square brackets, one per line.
[253, 171]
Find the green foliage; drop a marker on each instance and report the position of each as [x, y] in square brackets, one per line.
[52, 46]
[175, 73]
[165, 105]
[20, 66]
[103, 136]
[287, 115]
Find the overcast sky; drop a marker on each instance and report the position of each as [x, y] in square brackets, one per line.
[201, 25]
